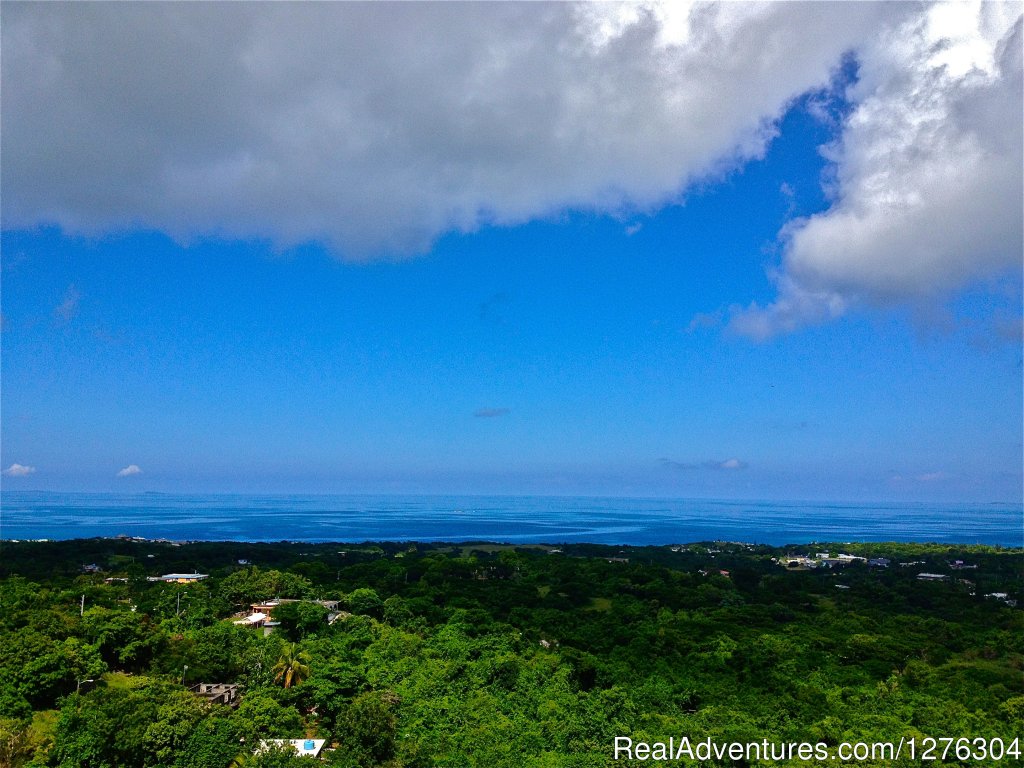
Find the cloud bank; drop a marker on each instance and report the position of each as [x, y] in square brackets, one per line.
[377, 128]
[366, 127]
[131, 469]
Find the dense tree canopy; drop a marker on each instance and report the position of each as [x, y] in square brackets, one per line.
[490, 656]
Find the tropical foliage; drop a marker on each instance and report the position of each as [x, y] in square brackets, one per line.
[491, 656]
[292, 667]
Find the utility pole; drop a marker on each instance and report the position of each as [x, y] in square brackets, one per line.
[81, 609]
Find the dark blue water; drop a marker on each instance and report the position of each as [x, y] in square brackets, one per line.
[526, 519]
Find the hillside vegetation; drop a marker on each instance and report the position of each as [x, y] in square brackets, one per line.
[492, 656]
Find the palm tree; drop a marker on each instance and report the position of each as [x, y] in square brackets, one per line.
[293, 666]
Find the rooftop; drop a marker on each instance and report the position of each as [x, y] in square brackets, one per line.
[304, 747]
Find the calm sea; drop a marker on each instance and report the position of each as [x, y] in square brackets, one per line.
[526, 519]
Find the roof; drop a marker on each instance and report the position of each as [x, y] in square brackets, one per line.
[252, 618]
[183, 576]
[304, 747]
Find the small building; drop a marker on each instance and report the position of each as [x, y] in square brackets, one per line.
[960, 565]
[799, 561]
[179, 578]
[218, 693]
[879, 562]
[1003, 597]
[268, 606]
[303, 747]
[269, 627]
[262, 613]
[932, 577]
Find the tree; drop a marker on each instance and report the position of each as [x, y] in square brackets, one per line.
[271, 756]
[301, 618]
[126, 640]
[212, 744]
[176, 721]
[259, 717]
[252, 584]
[292, 667]
[15, 746]
[369, 726]
[39, 669]
[107, 727]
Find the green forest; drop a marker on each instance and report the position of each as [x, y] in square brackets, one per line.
[410, 655]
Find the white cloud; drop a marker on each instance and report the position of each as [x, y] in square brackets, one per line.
[928, 187]
[131, 469]
[377, 128]
[732, 464]
[19, 470]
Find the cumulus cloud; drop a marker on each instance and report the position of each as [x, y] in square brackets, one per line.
[491, 413]
[731, 464]
[19, 470]
[131, 469]
[928, 181]
[364, 126]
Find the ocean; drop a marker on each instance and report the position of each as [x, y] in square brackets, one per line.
[515, 519]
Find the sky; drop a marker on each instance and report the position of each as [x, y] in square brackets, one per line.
[730, 250]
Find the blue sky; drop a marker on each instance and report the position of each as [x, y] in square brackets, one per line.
[752, 309]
